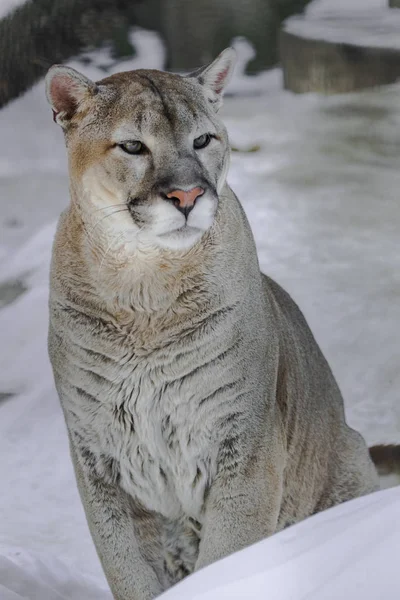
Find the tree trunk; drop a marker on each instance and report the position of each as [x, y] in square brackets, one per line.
[40, 33]
[196, 31]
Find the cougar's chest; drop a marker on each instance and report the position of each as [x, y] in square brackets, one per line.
[151, 410]
[163, 451]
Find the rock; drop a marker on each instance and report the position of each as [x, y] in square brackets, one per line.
[341, 52]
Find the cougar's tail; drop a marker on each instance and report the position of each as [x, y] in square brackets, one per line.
[387, 461]
[386, 458]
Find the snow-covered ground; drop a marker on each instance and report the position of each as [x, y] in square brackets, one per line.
[359, 22]
[322, 197]
[349, 552]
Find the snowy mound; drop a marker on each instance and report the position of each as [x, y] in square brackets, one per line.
[348, 552]
[40, 577]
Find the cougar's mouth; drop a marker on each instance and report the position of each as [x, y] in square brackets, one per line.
[183, 230]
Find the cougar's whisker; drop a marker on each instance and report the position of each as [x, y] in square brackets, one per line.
[108, 249]
[89, 233]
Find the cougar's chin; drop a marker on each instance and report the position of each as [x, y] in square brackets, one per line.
[181, 239]
[172, 230]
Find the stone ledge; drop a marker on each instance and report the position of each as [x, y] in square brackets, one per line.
[338, 53]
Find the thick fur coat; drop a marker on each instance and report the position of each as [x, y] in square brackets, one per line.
[201, 413]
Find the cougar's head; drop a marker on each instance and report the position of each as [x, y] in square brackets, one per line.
[147, 152]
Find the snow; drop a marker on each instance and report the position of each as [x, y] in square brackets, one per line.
[348, 552]
[322, 197]
[377, 29]
[7, 6]
[357, 22]
[43, 577]
[319, 7]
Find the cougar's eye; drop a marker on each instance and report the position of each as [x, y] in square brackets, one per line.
[202, 141]
[133, 147]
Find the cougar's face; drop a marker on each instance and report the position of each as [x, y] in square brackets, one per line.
[149, 156]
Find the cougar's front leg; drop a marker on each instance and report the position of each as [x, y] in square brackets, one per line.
[111, 517]
[243, 503]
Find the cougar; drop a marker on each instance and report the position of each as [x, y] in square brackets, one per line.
[202, 415]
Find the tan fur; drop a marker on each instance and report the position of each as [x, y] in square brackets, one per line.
[201, 413]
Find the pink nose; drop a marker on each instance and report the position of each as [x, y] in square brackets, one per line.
[185, 199]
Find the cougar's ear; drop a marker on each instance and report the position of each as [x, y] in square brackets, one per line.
[65, 91]
[214, 77]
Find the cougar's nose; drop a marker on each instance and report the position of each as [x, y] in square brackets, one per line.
[185, 201]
